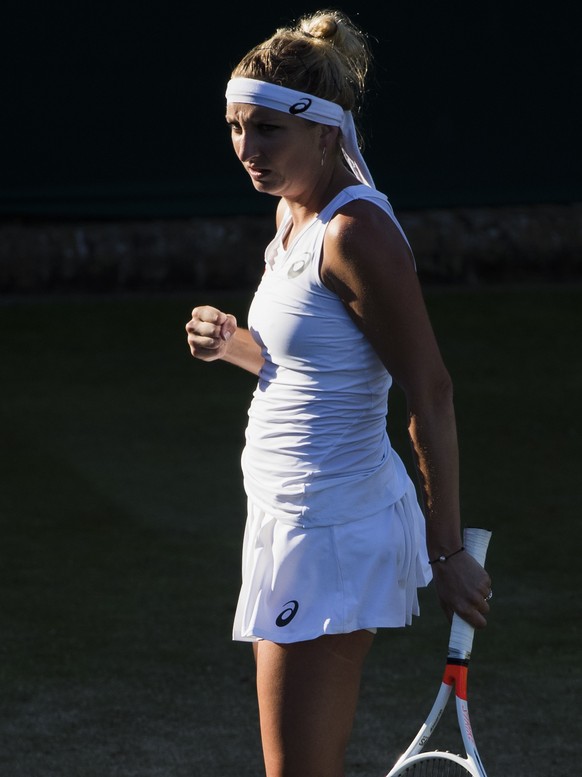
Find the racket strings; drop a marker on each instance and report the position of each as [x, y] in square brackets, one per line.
[434, 767]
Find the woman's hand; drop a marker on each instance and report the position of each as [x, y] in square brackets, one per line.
[209, 332]
[463, 586]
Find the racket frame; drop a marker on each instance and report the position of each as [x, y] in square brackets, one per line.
[455, 677]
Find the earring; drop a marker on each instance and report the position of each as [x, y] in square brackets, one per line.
[323, 155]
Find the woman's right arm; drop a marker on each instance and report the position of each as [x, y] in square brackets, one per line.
[214, 335]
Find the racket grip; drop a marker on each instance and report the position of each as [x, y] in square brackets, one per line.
[476, 542]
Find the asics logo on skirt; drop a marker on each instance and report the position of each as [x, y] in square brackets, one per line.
[288, 613]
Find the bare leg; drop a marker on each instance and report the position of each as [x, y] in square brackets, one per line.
[308, 693]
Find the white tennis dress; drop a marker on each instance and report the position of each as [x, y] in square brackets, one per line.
[335, 537]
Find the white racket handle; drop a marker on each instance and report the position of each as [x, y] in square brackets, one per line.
[476, 542]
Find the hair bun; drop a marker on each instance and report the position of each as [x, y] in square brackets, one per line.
[324, 26]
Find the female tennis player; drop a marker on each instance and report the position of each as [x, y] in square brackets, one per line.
[336, 541]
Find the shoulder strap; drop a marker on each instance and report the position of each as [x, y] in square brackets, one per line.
[361, 192]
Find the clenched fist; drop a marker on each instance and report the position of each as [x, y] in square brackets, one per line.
[209, 331]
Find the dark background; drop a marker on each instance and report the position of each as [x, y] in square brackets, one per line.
[117, 109]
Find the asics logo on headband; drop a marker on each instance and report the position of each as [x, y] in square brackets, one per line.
[300, 107]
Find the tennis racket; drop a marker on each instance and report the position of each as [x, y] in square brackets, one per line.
[439, 763]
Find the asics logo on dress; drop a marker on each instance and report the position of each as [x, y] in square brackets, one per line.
[296, 268]
[301, 106]
[299, 265]
[288, 613]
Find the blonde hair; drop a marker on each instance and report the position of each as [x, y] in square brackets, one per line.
[323, 54]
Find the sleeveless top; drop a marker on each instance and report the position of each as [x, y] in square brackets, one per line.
[316, 452]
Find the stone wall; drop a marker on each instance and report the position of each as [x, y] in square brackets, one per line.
[463, 245]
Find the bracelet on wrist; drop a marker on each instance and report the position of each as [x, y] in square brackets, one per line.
[442, 559]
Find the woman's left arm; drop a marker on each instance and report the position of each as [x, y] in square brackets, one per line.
[369, 265]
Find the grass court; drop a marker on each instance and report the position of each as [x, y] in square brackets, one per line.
[122, 510]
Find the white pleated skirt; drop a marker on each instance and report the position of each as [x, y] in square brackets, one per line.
[298, 584]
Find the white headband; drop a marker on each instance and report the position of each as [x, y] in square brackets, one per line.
[308, 106]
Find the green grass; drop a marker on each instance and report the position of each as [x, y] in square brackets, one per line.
[122, 511]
